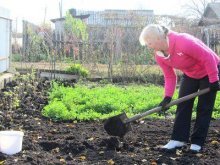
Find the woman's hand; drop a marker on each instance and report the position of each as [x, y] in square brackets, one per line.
[164, 102]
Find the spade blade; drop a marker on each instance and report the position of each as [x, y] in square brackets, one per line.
[116, 125]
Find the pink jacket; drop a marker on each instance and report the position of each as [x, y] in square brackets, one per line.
[191, 56]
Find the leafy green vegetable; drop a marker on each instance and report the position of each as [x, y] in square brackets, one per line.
[93, 102]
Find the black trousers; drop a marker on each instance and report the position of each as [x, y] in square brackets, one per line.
[182, 124]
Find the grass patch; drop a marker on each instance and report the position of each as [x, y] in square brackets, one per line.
[95, 101]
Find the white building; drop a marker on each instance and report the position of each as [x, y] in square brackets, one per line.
[5, 39]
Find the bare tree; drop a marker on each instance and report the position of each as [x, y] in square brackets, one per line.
[196, 8]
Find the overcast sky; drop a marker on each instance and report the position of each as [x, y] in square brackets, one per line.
[34, 10]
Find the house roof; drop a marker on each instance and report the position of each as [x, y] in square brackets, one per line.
[57, 19]
[211, 14]
[216, 8]
[76, 16]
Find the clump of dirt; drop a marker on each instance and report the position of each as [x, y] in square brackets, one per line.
[48, 142]
[111, 143]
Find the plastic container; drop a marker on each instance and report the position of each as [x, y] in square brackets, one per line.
[11, 142]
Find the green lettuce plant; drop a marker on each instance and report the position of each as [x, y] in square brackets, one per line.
[95, 101]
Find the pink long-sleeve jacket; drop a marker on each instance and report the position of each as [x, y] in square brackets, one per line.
[189, 55]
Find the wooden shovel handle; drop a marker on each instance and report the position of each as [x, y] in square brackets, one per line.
[174, 102]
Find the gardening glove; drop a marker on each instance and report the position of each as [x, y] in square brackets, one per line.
[215, 86]
[163, 104]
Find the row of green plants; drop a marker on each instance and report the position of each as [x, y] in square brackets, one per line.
[94, 102]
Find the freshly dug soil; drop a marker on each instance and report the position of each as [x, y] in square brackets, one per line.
[86, 143]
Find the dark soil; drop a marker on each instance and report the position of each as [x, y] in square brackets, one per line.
[86, 143]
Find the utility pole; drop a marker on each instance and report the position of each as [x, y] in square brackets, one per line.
[61, 8]
[45, 13]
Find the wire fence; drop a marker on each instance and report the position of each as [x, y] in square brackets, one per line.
[110, 51]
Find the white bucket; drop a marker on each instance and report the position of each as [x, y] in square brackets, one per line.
[11, 142]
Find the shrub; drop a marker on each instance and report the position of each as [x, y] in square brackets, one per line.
[78, 70]
[16, 57]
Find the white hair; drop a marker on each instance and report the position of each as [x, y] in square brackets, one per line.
[153, 30]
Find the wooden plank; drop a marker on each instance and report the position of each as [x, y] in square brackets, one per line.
[5, 78]
[3, 58]
[5, 18]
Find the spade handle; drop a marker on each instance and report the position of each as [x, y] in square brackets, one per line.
[175, 102]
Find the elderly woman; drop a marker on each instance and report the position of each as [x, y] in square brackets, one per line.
[200, 67]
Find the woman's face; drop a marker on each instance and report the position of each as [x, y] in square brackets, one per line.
[156, 43]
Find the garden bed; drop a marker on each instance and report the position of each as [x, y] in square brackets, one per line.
[71, 142]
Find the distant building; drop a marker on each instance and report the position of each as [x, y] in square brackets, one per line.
[108, 17]
[5, 39]
[59, 22]
[110, 28]
[210, 24]
[119, 17]
[211, 15]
